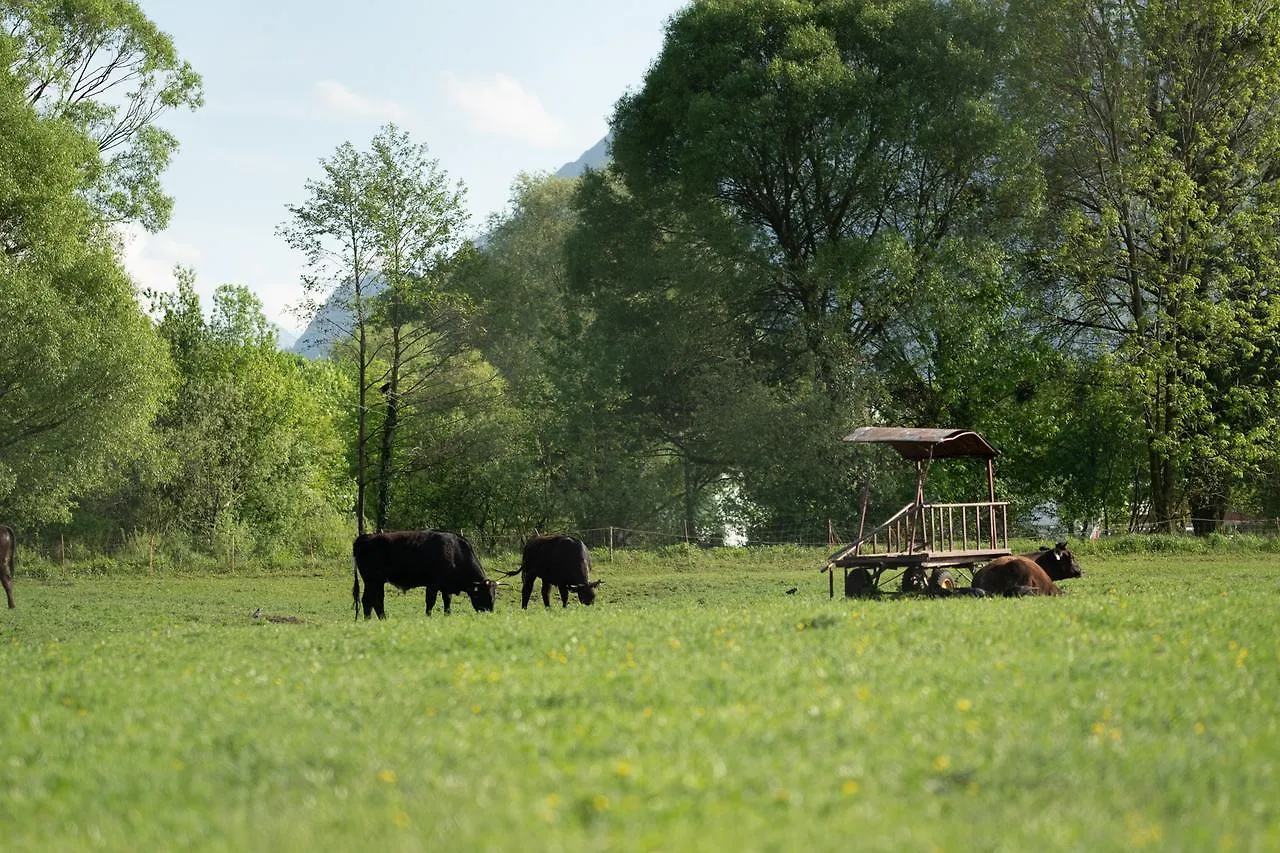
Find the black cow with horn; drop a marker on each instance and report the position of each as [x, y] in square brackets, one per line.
[444, 563]
[560, 561]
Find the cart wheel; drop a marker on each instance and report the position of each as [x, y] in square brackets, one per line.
[858, 583]
[942, 581]
[913, 580]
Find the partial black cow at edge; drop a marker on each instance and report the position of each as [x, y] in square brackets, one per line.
[560, 561]
[442, 562]
[8, 559]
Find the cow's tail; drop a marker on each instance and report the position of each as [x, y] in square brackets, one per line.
[514, 571]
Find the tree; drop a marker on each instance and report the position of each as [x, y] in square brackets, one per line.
[332, 229]
[417, 220]
[105, 70]
[853, 139]
[662, 344]
[81, 369]
[377, 232]
[519, 280]
[1160, 122]
[248, 445]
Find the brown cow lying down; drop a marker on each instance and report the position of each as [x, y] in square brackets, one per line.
[1027, 575]
[1014, 576]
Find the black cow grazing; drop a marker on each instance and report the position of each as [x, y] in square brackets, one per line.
[444, 563]
[1030, 574]
[8, 559]
[560, 561]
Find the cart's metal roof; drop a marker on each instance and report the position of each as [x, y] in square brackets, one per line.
[916, 444]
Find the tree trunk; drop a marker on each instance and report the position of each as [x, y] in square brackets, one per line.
[1162, 490]
[389, 423]
[690, 503]
[362, 428]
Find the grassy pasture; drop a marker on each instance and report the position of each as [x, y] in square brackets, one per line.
[696, 707]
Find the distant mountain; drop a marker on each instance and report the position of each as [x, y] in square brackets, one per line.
[594, 157]
[318, 336]
[285, 339]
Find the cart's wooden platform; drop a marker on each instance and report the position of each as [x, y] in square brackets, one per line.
[923, 559]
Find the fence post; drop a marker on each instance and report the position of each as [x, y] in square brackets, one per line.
[62, 550]
[610, 543]
[151, 551]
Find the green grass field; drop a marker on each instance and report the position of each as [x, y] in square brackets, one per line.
[695, 707]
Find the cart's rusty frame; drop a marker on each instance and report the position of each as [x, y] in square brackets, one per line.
[926, 535]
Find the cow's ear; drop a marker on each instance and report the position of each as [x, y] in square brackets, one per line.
[1061, 546]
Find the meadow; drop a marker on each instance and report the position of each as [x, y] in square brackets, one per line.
[697, 706]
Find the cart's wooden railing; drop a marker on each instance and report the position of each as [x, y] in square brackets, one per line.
[967, 526]
[936, 528]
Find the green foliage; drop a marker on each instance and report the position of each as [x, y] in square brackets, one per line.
[380, 231]
[695, 706]
[81, 374]
[246, 453]
[853, 140]
[103, 69]
[82, 371]
[1161, 124]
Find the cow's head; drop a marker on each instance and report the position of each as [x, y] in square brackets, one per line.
[483, 594]
[586, 591]
[1059, 563]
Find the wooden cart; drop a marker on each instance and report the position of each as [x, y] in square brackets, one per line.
[923, 542]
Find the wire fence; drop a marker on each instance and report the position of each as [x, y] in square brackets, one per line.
[149, 549]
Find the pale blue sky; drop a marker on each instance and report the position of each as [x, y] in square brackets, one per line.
[493, 88]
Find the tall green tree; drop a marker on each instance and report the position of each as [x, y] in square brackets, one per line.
[664, 348]
[82, 371]
[103, 68]
[333, 229]
[524, 317]
[418, 219]
[519, 281]
[379, 231]
[853, 138]
[1161, 121]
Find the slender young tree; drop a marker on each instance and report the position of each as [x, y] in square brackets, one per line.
[417, 219]
[333, 229]
[378, 230]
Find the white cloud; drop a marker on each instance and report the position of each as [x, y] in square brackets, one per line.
[343, 102]
[498, 104]
[150, 258]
